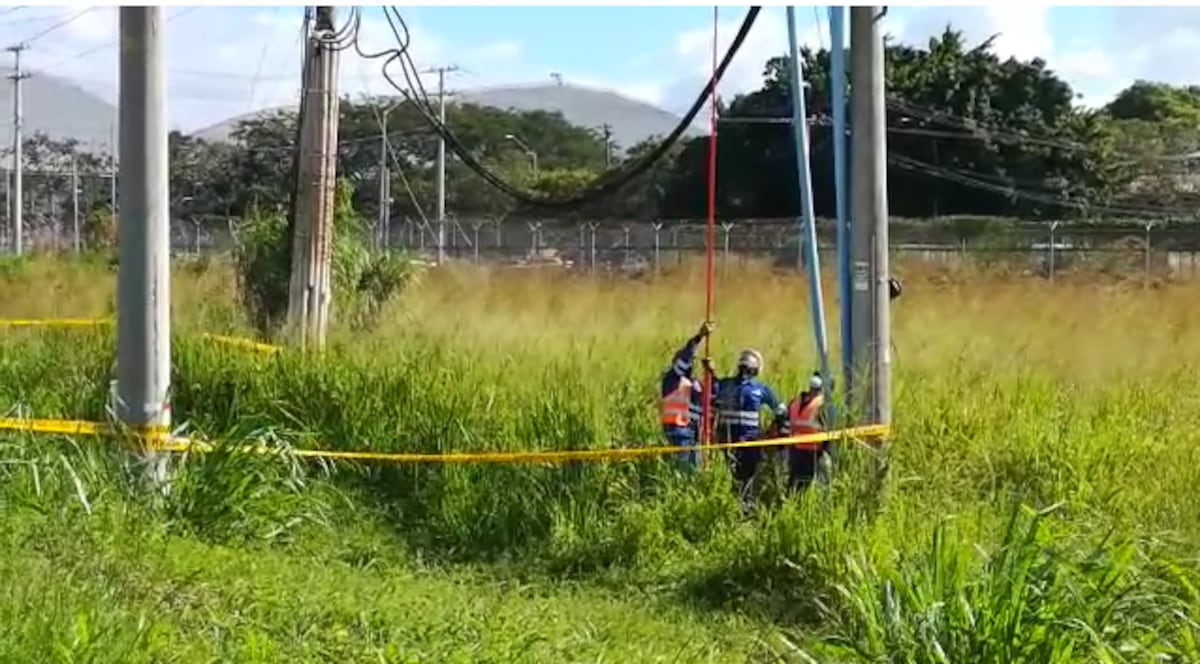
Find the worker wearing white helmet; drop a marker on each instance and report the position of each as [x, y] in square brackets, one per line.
[805, 415]
[739, 400]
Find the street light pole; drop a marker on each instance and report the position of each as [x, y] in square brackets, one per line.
[533, 157]
[385, 182]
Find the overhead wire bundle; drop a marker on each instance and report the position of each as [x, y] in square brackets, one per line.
[607, 183]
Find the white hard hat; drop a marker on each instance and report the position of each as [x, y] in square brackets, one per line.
[815, 382]
[750, 359]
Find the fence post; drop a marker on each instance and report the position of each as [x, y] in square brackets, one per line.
[1053, 228]
[657, 226]
[475, 229]
[675, 243]
[726, 227]
[1146, 272]
[592, 229]
[535, 228]
[625, 253]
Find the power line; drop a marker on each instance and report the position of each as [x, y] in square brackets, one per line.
[601, 186]
[58, 25]
[99, 47]
[1012, 192]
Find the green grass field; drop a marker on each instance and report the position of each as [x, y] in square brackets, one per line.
[1039, 503]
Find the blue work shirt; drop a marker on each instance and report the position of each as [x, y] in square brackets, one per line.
[681, 367]
[738, 402]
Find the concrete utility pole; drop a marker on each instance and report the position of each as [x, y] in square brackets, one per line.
[143, 280]
[441, 161]
[309, 293]
[871, 321]
[18, 198]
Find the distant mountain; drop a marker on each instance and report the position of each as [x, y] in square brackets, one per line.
[631, 121]
[59, 109]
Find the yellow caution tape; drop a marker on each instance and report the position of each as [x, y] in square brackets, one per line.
[79, 427]
[55, 322]
[243, 343]
[98, 322]
[65, 427]
[160, 440]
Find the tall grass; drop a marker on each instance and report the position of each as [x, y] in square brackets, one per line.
[1077, 401]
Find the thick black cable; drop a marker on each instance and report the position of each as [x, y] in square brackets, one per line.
[604, 184]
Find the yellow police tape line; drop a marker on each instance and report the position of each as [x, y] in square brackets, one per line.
[255, 346]
[98, 322]
[55, 322]
[174, 444]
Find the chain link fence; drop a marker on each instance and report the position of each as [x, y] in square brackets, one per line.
[1045, 248]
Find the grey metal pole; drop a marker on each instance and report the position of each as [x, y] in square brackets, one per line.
[143, 284]
[75, 204]
[871, 315]
[383, 175]
[18, 198]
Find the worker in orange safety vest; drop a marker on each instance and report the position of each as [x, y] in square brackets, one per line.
[805, 415]
[680, 399]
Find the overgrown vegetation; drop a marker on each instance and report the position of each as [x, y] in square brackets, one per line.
[363, 280]
[1039, 506]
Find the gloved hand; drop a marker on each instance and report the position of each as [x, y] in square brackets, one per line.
[707, 364]
[706, 328]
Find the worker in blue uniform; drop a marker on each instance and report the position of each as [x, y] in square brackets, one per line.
[739, 400]
[681, 407]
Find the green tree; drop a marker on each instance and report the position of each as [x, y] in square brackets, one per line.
[945, 101]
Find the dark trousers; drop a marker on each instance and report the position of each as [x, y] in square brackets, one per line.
[744, 462]
[802, 467]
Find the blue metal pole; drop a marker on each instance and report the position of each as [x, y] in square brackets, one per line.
[837, 93]
[808, 218]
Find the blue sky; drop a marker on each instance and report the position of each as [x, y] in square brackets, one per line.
[657, 54]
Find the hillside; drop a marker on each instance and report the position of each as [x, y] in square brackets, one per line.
[631, 121]
[62, 109]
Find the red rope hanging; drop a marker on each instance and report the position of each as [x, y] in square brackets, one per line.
[710, 236]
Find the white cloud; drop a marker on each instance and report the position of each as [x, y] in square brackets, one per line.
[498, 50]
[96, 26]
[210, 80]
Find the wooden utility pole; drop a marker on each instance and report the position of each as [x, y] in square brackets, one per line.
[310, 290]
[871, 303]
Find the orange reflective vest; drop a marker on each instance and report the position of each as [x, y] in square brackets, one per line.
[803, 419]
[676, 405]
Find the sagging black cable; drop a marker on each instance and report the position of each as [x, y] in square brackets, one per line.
[411, 74]
[603, 185]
